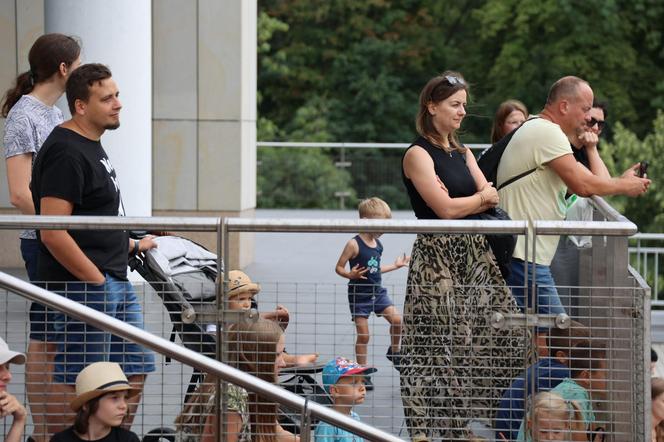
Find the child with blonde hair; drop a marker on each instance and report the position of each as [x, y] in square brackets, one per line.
[553, 418]
[366, 294]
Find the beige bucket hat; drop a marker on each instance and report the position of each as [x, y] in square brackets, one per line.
[100, 378]
[239, 282]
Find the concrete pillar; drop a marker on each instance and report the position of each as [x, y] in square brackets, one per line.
[21, 22]
[205, 112]
[118, 34]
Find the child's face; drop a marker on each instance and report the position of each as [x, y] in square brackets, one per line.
[241, 301]
[112, 409]
[548, 427]
[377, 216]
[349, 390]
[5, 376]
[280, 363]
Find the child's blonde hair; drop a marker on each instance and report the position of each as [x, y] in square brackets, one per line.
[374, 207]
[557, 409]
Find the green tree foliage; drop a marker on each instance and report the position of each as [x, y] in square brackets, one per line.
[300, 178]
[348, 70]
[369, 59]
[647, 211]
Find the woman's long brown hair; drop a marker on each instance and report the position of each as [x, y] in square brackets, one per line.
[45, 57]
[253, 347]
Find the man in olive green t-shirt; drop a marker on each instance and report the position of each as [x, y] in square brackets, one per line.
[543, 144]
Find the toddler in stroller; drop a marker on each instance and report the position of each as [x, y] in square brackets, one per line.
[183, 274]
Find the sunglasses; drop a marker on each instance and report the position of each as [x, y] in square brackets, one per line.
[600, 123]
[453, 80]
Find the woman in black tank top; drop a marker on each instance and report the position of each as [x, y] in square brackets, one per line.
[455, 365]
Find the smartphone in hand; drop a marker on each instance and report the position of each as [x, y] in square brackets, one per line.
[643, 169]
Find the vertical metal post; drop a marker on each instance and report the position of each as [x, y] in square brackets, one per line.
[643, 403]
[305, 423]
[342, 195]
[656, 274]
[222, 279]
[528, 310]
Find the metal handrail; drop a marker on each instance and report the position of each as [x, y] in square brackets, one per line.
[607, 210]
[648, 236]
[608, 228]
[179, 224]
[344, 145]
[374, 225]
[191, 358]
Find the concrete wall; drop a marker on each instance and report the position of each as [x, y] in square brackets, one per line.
[203, 107]
[21, 22]
[204, 125]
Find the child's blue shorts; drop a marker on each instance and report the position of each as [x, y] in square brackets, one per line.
[363, 304]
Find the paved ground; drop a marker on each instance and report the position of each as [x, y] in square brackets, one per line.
[296, 270]
[303, 265]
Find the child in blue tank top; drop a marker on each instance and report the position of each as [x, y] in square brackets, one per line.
[365, 291]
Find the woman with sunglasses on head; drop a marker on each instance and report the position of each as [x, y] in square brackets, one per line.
[454, 364]
[29, 107]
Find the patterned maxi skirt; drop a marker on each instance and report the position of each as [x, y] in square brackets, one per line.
[455, 366]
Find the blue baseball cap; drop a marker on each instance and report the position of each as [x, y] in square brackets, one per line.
[340, 367]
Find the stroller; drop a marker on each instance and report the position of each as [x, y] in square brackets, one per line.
[183, 275]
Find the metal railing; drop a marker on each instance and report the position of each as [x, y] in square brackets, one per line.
[191, 358]
[362, 170]
[347, 145]
[156, 343]
[608, 271]
[646, 252]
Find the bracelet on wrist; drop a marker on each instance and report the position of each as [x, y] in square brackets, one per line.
[136, 248]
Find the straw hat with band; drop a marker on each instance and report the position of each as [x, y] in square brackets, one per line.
[239, 282]
[9, 356]
[99, 379]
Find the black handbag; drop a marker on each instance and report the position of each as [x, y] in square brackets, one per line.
[502, 245]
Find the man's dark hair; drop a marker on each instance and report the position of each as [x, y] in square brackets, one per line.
[566, 87]
[565, 339]
[602, 105]
[80, 81]
[586, 355]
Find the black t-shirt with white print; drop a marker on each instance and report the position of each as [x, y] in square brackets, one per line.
[77, 169]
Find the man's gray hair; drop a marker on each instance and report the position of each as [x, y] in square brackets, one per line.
[565, 88]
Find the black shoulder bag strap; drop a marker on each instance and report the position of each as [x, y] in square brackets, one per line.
[521, 175]
[515, 178]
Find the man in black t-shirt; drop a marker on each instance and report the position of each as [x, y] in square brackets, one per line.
[72, 175]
